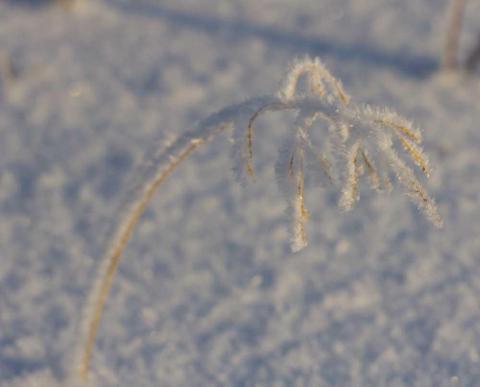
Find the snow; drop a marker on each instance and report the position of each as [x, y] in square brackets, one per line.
[208, 292]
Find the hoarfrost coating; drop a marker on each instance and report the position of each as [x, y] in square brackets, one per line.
[210, 293]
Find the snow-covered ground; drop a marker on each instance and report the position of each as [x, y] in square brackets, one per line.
[208, 292]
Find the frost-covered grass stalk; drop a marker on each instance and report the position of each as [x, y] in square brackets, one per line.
[450, 59]
[363, 140]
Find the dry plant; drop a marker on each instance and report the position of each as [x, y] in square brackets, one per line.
[8, 73]
[452, 38]
[450, 56]
[474, 58]
[364, 141]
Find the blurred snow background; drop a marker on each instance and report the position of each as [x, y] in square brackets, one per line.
[208, 293]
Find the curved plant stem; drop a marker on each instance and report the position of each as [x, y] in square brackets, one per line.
[161, 167]
[177, 153]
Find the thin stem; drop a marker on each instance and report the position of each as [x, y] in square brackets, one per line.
[452, 41]
[177, 153]
[7, 70]
[474, 58]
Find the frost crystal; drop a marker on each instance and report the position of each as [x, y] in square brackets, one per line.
[366, 140]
